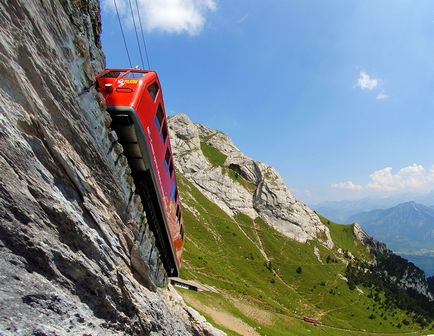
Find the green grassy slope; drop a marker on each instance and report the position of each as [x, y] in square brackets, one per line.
[217, 159]
[253, 268]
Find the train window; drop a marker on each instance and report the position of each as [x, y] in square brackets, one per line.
[167, 157]
[171, 168]
[167, 161]
[181, 231]
[112, 74]
[176, 194]
[172, 192]
[178, 212]
[135, 75]
[159, 117]
[153, 90]
[164, 131]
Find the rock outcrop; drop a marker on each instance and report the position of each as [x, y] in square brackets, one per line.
[401, 272]
[262, 192]
[76, 254]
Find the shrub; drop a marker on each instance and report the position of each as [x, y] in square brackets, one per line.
[299, 270]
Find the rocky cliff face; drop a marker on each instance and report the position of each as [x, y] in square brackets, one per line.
[254, 189]
[77, 256]
[401, 272]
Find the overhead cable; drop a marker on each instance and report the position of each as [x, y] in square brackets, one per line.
[123, 35]
[143, 36]
[137, 35]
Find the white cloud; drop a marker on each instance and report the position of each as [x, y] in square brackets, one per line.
[382, 96]
[348, 185]
[414, 178]
[170, 16]
[411, 178]
[366, 82]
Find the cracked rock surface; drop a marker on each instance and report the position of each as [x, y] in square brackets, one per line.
[76, 253]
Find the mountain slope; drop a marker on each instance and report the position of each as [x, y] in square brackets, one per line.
[266, 277]
[407, 227]
[238, 184]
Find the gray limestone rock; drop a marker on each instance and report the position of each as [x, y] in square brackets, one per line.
[267, 197]
[76, 253]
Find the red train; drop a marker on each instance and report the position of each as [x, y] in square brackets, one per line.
[310, 320]
[135, 103]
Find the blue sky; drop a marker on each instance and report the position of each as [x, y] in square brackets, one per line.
[336, 95]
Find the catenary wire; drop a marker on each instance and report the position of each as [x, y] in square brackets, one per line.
[137, 35]
[123, 35]
[143, 36]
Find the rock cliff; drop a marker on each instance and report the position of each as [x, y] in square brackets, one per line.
[240, 184]
[77, 256]
[401, 272]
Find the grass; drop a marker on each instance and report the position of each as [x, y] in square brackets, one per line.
[225, 252]
[343, 236]
[213, 155]
[239, 179]
[217, 159]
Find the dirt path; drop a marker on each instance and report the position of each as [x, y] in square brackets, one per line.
[261, 247]
[223, 318]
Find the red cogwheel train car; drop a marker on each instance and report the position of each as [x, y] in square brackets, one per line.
[135, 103]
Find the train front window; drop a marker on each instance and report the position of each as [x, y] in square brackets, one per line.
[112, 74]
[132, 74]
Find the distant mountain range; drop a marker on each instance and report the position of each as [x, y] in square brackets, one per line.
[341, 211]
[407, 228]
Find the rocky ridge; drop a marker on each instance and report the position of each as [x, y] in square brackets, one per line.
[405, 274]
[76, 253]
[264, 195]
